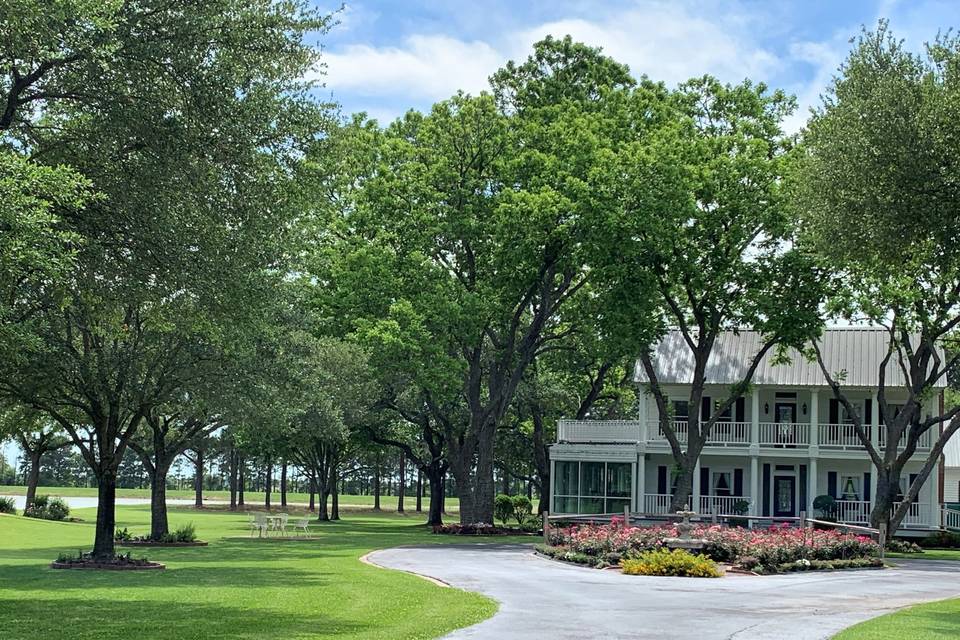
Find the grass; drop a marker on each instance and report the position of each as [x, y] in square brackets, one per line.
[931, 621]
[930, 554]
[252, 498]
[237, 587]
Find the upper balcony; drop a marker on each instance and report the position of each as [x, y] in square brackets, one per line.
[729, 434]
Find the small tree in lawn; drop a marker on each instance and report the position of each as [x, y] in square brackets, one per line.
[37, 435]
[877, 187]
[503, 508]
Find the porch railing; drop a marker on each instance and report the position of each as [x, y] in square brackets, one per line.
[918, 514]
[855, 511]
[657, 503]
[598, 431]
[720, 504]
[950, 519]
[721, 434]
[839, 436]
[784, 434]
[922, 443]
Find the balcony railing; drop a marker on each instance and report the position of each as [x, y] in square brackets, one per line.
[784, 434]
[657, 503]
[774, 435]
[922, 443]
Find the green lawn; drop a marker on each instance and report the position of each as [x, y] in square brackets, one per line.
[253, 498]
[237, 587]
[931, 621]
[929, 554]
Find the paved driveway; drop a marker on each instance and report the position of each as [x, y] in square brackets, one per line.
[541, 598]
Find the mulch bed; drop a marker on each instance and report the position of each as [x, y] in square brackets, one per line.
[154, 543]
[472, 530]
[136, 565]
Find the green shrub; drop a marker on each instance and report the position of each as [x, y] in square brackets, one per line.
[122, 535]
[503, 508]
[57, 509]
[7, 505]
[826, 505]
[522, 509]
[679, 562]
[897, 545]
[941, 540]
[185, 533]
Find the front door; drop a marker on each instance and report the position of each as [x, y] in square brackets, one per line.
[784, 489]
[785, 415]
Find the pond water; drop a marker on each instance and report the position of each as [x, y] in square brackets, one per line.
[86, 502]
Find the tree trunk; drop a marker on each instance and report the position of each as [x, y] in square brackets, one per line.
[233, 480]
[283, 484]
[33, 478]
[419, 491]
[335, 504]
[103, 548]
[198, 480]
[159, 526]
[435, 512]
[443, 494]
[376, 486]
[243, 480]
[888, 489]
[267, 485]
[506, 482]
[313, 492]
[681, 495]
[401, 485]
[333, 487]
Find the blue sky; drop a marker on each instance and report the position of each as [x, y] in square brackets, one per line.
[387, 57]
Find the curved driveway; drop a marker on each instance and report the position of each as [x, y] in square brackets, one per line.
[541, 598]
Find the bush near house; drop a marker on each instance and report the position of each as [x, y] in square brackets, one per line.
[941, 540]
[762, 548]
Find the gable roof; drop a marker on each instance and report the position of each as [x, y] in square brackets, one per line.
[857, 350]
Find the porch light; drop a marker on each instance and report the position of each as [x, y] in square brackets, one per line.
[766, 407]
[804, 408]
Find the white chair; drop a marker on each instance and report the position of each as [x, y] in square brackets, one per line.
[259, 524]
[301, 525]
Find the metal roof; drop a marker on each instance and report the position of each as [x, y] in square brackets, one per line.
[856, 350]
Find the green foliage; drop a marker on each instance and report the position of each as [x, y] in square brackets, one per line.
[678, 562]
[503, 508]
[826, 505]
[185, 533]
[896, 545]
[47, 508]
[941, 540]
[7, 505]
[522, 509]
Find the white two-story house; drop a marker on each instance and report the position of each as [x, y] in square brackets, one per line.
[782, 445]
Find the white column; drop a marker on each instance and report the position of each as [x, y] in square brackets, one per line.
[754, 486]
[640, 483]
[811, 486]
[642, 413]
[934, 495]
[814, 419]
[553, 484]
[695, 506]
[754, 417]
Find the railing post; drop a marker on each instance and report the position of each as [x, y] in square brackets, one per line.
[882, 538]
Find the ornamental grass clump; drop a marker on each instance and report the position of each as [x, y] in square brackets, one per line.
[664, 562]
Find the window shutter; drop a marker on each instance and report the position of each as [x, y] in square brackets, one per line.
[704, 482]
[661, 479]
[705, 408]
[741, 411]
[832, 483]
[738, 482]
[866, 486]
[868, 411]
[834, 411]
[802, 488]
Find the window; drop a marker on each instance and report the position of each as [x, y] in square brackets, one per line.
[592, 487]
[722, 483]
[681, 410]
[850, 488]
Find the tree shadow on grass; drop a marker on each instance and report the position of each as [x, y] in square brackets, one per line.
[101, 619]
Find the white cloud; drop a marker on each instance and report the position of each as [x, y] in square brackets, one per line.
[425, 67]
[669, 42]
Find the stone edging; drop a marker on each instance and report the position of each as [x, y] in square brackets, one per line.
[365, 559]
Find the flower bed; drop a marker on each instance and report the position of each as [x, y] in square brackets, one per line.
[480, 529]
[763, 548]
[120, 562]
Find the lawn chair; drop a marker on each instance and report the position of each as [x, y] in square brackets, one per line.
[301, 525]
[280, 523]
[259, 524]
